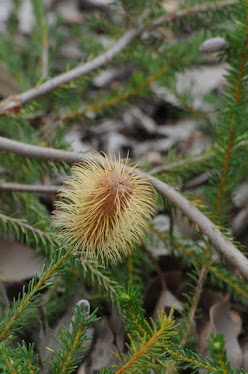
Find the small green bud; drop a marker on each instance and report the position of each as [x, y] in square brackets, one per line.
[124, 298]
[217, 346]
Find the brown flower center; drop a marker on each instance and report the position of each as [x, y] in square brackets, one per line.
[114, 190]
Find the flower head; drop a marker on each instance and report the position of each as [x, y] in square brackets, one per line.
[105, 209]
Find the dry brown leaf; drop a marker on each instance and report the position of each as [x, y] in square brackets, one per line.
[70, 12]
[203, 336]
[158, 296]
[26, 17]
[170, 5]
[229, 323]
[101, 353]
[18, 262]
[166, 300]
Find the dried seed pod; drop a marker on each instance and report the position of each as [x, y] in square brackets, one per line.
[213, 45]
[105, 209]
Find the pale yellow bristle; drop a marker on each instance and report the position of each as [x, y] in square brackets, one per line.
[106, 208]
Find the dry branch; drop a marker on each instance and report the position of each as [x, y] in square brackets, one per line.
[38, 153]
[15, 103]
[4, 186]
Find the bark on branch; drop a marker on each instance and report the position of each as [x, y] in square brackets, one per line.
[14, 103]
[38, 153]
[36, 188]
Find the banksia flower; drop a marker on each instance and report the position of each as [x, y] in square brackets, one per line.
[105, 209]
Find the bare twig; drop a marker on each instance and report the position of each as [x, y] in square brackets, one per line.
[196, 181]
[29, 188]
[195, 301]
[38, 153]
[207, 227]
[15, 102]
[182, 163]
[193, 11]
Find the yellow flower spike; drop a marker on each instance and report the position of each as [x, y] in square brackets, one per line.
[106, 208]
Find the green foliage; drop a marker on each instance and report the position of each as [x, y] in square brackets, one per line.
[190, 360]
[130, 306]
[105, 371]
[21, 231]
[158, 344]
[96, 275]
[21, 359]
[217, 349]
[231, 126]
[145, 348]
[16, 316]
[72, 341]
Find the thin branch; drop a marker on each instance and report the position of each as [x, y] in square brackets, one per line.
[193, 11]
[38, 153]
[223, 245]
[181, 163]
[196, 181]
[14, 103]
[29, 188]
[57, 155]
[195, 302]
